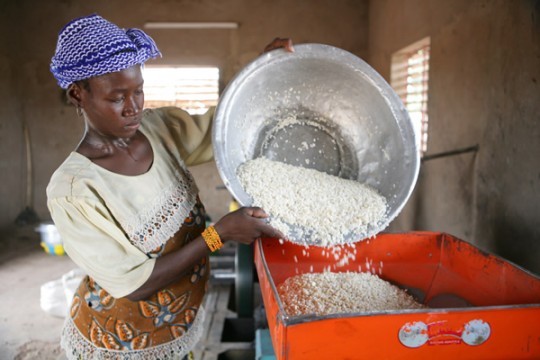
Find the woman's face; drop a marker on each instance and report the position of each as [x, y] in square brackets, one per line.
[113, 103]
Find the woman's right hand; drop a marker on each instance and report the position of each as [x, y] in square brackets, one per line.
[245, 225]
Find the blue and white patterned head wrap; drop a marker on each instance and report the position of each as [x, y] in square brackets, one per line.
[92, 46]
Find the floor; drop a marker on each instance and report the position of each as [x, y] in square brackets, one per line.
[28, 332]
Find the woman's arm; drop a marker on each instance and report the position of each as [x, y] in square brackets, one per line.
[242, 226]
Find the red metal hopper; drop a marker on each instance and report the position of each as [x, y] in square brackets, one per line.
[481, 306]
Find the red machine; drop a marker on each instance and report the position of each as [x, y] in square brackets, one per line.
[480, 306]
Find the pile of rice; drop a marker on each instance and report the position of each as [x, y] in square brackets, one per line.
[348, 292]
[325, 208]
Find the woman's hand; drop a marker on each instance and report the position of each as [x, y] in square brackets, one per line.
[245, 225]
[279, 43]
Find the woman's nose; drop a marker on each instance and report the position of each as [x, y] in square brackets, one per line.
[132, 107]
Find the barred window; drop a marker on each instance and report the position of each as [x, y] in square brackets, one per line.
[194, 89]
[409, 78]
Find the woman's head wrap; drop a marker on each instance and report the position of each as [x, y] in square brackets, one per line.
[92, 46]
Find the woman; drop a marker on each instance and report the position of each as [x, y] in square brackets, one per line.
[127, 207]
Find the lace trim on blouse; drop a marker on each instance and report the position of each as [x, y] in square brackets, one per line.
[78, 347]
[163, 217]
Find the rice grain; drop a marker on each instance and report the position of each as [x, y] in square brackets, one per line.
[310, 206]
[337, 293]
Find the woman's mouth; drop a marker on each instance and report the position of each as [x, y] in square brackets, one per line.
[132, 126]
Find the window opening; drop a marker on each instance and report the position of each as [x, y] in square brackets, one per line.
[194, 89]
[409, 78]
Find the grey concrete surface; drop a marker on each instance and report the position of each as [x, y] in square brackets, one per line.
[27, 332]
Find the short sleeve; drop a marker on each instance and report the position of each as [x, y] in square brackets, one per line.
[192, 134]
[94, 241]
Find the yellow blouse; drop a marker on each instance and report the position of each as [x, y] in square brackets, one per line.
[110, 222]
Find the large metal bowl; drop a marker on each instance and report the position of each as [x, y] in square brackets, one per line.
[362, 127]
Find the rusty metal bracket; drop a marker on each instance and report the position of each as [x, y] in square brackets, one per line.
[474, 148]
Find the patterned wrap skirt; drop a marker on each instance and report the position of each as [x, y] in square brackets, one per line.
[167, 325]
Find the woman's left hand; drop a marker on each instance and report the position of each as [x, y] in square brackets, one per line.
[245, 225]
[280, 43]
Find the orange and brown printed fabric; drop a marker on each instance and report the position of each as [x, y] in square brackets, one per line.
[166, 325]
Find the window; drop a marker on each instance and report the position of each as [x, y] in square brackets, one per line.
[409, 78]
[193, 89]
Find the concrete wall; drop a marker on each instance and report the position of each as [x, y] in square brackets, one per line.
[29, 93]
[483, 89]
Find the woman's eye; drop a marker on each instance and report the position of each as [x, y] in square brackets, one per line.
[118, 100]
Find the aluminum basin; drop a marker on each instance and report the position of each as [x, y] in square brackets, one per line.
[348, 122]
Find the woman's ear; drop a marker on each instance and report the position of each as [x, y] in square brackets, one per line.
[73, 94]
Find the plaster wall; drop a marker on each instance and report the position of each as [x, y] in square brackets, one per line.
[30, 94]
[483, 90]
[11, 130]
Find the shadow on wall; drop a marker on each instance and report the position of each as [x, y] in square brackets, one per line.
[517, 243]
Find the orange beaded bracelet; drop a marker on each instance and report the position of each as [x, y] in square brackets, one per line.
[212, 239]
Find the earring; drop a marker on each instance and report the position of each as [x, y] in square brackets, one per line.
[79, 111]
